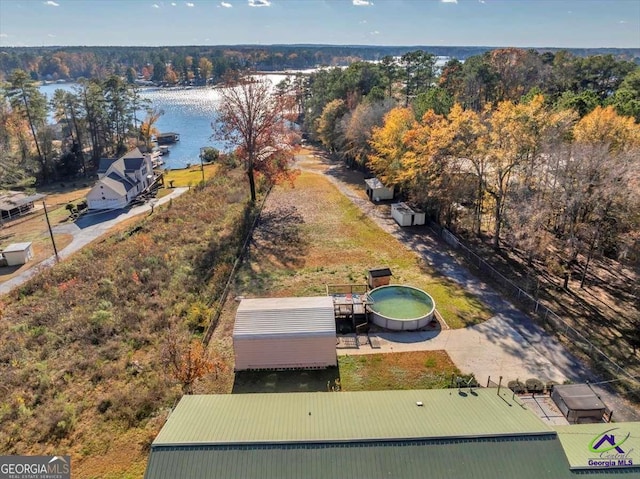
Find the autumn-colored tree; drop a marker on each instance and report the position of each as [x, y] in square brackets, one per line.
[514, 139]
[327, 124]
[187, 360]
[599, 186]
[389, 146]
[604, 126]
[206, 67]
[469, 145]
[147, 127]
[356, 128]
[257, 122]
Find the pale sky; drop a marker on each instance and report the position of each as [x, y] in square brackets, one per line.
[518, 23]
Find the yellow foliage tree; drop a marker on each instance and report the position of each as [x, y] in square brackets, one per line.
[389, 146]
[604, 126]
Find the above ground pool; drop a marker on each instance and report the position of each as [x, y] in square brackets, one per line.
[401, 307]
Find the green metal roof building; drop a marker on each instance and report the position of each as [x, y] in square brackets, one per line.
[385, 434]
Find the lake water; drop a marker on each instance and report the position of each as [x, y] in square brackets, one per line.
[187, 111]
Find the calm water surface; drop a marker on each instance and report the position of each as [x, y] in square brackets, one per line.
[401, 303]
[187, 111]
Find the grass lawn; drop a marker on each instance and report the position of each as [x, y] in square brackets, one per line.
[189, 176]
[409, 370]
[311, 235]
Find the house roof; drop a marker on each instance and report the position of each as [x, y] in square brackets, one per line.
[135, 153]
[578, 439]
[380, 272]
[579, 397]
[272, 317]
[375, 184]
[125, 182]
[345, 417]
[537, 457]
[105, 163]
[133, 164]
[17, 247]
[14, 199]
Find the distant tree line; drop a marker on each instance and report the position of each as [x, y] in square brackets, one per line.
[183, 64]
[540, 152]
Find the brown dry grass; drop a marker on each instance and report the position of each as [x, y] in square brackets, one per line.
[81, 356]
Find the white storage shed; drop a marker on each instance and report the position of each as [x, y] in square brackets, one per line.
[285, 333]
[18, 253]
[405, 216]
[376, 191]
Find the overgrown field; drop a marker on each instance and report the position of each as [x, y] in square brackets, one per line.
[408, 370]
[312, 235]
[81, 356]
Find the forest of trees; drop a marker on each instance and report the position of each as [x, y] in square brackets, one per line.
[531, 150]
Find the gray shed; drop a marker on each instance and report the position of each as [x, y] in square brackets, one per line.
[578, 403]
[285, 333]
[18, 253]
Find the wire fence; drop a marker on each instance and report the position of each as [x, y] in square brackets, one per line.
[213, 322]
[531, 304]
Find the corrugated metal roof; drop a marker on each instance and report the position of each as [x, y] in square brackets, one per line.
[271, 317]
[538, 457]
[345, 416]
[578, 439]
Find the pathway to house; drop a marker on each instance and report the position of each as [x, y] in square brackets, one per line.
[508, 344]
[84, 230]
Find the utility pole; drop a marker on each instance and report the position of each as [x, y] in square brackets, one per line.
[202, 164]
[53, 241]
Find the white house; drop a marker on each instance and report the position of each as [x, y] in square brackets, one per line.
[120, 181]
[18, 253]
[376, 190]
[285, 333]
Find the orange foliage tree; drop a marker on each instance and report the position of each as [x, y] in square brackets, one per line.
[258, 123]
[188, 360]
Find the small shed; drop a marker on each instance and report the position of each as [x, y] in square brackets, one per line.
[285, 333]
[18, 253]
[578, 403]
[378, 277]
[376, 191]
[405, 216]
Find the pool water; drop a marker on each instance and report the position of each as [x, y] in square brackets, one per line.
[401, 302]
